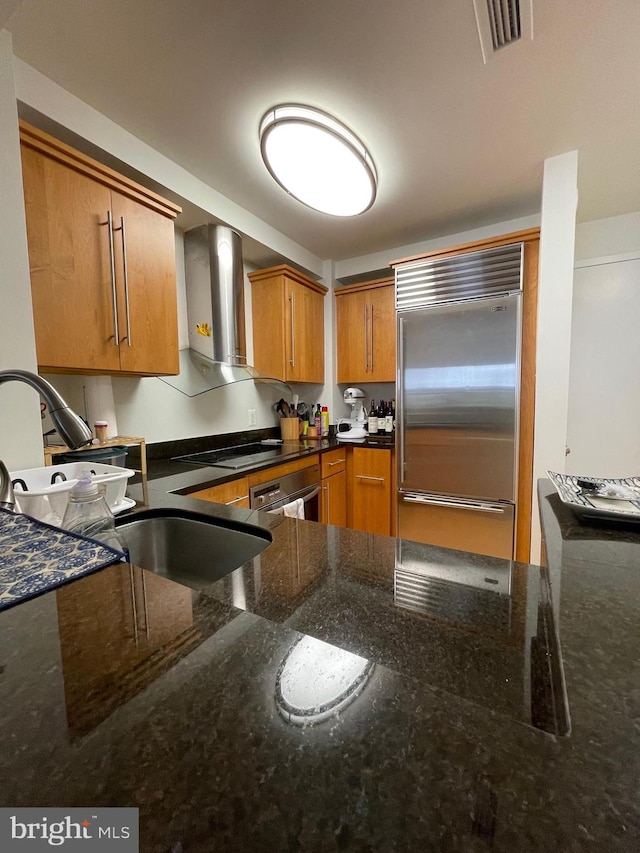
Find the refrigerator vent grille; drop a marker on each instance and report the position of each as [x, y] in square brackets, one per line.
[473, 275]
[452, 602]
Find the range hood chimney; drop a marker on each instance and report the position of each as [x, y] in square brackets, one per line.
[217, 354]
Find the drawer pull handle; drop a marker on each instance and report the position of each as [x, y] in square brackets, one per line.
[337, 462]
[365, 477]
[236, 500]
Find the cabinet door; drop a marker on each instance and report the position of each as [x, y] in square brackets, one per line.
[146, 281]
[334, 500]
[366, 335]
[304, 333]
[288, 324]
[268, 312]
[371, 490]
[352, 320]
[72, 294]
[234, 493]
[382, 335]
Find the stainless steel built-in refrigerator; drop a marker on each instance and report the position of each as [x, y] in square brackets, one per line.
[459, 330]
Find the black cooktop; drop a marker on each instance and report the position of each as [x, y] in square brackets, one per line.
[243, 455]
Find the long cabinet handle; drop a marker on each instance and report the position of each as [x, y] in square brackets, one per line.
[327, 511]
[112, 273]
[365, 477]
[371, 337]
[292, 360]
[125, 276]
[236, 500]
[366, 338]
[478, 506]
[337, 462]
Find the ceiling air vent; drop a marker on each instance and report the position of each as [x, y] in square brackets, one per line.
[501, 23]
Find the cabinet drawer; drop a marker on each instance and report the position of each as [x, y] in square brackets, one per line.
[233, 493]
[333, 462]
[277, 471]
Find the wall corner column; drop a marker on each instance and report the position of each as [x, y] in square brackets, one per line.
[20, 425]
[555, 294]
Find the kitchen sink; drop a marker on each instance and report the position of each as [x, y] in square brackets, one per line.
[188, 547]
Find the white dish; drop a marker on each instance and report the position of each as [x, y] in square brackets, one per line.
[354, 434]
[125, 503]
[590, 505]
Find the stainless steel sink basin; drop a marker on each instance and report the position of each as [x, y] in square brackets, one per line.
[189, 547]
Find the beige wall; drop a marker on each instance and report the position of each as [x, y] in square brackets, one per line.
[20, 442]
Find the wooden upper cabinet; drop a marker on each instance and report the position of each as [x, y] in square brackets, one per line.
[102, 263]
[366, 332]
[288, 324]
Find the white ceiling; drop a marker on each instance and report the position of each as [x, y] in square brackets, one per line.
[457, 144]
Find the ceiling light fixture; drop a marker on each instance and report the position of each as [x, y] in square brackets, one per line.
[318, 160]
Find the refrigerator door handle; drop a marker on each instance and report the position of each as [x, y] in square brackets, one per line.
[478, 506]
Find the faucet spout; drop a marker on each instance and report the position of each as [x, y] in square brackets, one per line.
[73, 430]
[7, 500]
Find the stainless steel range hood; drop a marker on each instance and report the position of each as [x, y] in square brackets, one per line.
[217, 353]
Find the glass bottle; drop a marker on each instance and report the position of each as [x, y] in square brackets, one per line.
[388, 421]
[373, 419]
[89, 515]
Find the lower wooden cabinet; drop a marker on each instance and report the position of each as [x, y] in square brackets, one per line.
[333, 503]
[334, 500]
[356, 490]
[371, 490]
[233, 493]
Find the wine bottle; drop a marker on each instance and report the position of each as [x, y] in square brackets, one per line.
[373, 419]
[388, 421]
[381, 416]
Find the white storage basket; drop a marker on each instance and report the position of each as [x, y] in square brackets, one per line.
[47, 489]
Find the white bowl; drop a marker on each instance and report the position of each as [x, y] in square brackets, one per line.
[47, 500]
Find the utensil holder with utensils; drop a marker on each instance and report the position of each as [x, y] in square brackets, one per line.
[290, 428]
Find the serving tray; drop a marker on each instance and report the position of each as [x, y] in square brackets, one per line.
[590, 505]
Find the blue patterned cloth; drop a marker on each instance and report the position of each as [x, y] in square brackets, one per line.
[35, 557]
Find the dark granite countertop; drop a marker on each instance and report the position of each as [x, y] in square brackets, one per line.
[449, 745]
[182, 477]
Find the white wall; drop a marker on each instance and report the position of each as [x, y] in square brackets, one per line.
[20, 442]
[600, 238]
[603, 429]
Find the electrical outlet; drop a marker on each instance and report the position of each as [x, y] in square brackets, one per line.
[253, 418]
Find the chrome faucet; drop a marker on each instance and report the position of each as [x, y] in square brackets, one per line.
[73, 430]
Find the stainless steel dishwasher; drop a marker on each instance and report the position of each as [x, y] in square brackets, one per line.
[273, 495]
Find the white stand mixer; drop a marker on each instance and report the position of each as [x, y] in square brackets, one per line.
[353, 397]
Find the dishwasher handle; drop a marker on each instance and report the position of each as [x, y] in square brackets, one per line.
[306, 497]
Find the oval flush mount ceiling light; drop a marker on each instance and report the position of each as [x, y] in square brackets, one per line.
[318, 160]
